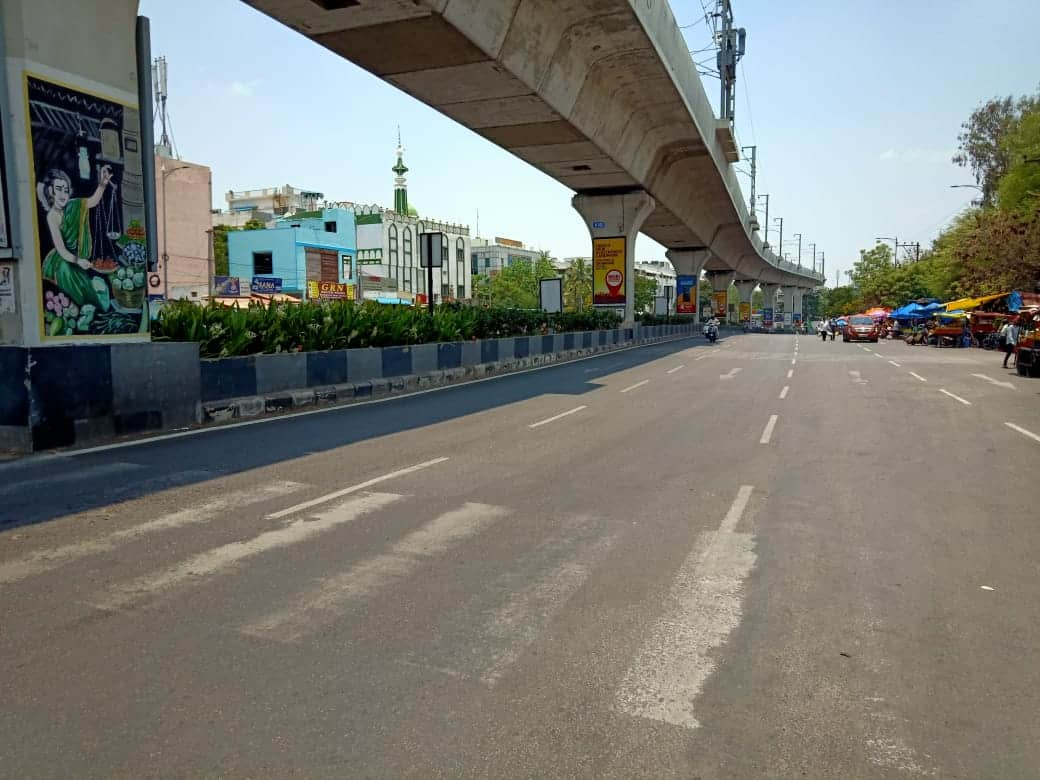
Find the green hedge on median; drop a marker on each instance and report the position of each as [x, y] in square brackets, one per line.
[222, 331]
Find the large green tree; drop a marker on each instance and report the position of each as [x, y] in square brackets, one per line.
[517, 284]
[220, 244]
[983, 140]
[1019, 190]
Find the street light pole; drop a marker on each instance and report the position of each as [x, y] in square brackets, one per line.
[895, 244]
[165, 238]
[799, 236]
[781, 242]
[766, 197]
[813, 245]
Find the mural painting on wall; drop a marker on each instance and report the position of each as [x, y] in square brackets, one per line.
[89, 185]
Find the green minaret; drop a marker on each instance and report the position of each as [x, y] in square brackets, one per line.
[400, 182]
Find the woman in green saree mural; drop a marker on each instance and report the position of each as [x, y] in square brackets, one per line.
[66, 265]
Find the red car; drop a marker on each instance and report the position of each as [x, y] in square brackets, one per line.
[860, 327]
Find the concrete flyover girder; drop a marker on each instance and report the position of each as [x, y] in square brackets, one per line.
[601, 95]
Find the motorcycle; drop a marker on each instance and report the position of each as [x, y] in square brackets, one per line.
[711, 333]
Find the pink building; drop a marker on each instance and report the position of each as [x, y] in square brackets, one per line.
[183, 224]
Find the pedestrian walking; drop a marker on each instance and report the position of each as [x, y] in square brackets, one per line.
[1009, 335]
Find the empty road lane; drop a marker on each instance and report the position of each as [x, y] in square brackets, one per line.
[733, 561]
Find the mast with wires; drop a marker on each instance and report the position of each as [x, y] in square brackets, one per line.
[731, 44]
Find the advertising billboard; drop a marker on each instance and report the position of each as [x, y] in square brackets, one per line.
[608, 271]
[719, 301]
[686, 294]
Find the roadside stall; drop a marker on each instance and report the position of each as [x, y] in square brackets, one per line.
[1027, 359]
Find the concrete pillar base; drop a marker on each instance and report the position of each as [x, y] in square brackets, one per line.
[769, 300]
[616, 216]
[689, 262]
[745, 289]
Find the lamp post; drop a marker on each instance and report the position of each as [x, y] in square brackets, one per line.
[766, 198]
[799, 237]
[895, 246]
[165, 253]
[813, 245]
[781, 242]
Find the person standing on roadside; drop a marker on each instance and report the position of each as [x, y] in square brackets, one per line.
[1010, 335]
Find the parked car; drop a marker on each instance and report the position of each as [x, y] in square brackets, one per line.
[860, 328]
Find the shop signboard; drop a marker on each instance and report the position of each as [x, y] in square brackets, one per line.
[265, 285]
[686, 294]
[330, 291]
[227, 286]
[608, 271]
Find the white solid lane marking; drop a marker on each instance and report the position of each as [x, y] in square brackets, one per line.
[767, 434]
[1022, 430]
[866, 349]
[376, 572]
[894, 363]
[917, 376]
[45, 560]
[220, 559]
[557, 417]
[677, 368]
[783, 393]
[637, 384]
[955, 397]
[790, 373]
[354, 488]
[732, 373]
[993, 381]
[87, 474]
[702, 609]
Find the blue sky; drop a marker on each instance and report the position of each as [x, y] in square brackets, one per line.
[854, 107]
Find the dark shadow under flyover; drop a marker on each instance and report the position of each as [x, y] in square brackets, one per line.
[46, 487]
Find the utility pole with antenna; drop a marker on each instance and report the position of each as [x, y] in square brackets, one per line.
[732, 44]
[164, 148]
[754, 172]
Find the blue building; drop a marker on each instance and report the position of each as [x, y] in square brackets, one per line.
[312, 246]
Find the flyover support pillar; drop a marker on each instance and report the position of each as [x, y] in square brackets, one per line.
[792, 302]
[720, 282]
[745, 289]
[614, 222]
[769, 302]
[689, 262]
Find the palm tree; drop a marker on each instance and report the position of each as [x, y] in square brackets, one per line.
[577, 283]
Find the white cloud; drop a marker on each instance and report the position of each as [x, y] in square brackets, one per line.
[243, 88]
[918, 154]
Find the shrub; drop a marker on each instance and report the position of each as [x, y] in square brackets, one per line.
[300, 327]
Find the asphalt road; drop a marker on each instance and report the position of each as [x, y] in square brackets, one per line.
[769, 558]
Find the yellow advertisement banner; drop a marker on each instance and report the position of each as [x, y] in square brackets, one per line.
[745, 312]
[719, 299]
[608, 271]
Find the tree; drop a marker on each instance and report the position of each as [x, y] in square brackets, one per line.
[840, 300]
[482, 291]
[982, 140]
[220, 249]
[1020, 187]
[577, 285]
[254, 224]
[646, 291]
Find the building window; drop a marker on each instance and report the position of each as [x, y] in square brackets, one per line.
[445, 292]
[462, 291]
[263, 263]
[408, 247]
[408, 280]
[330, 227]
[394, 259]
